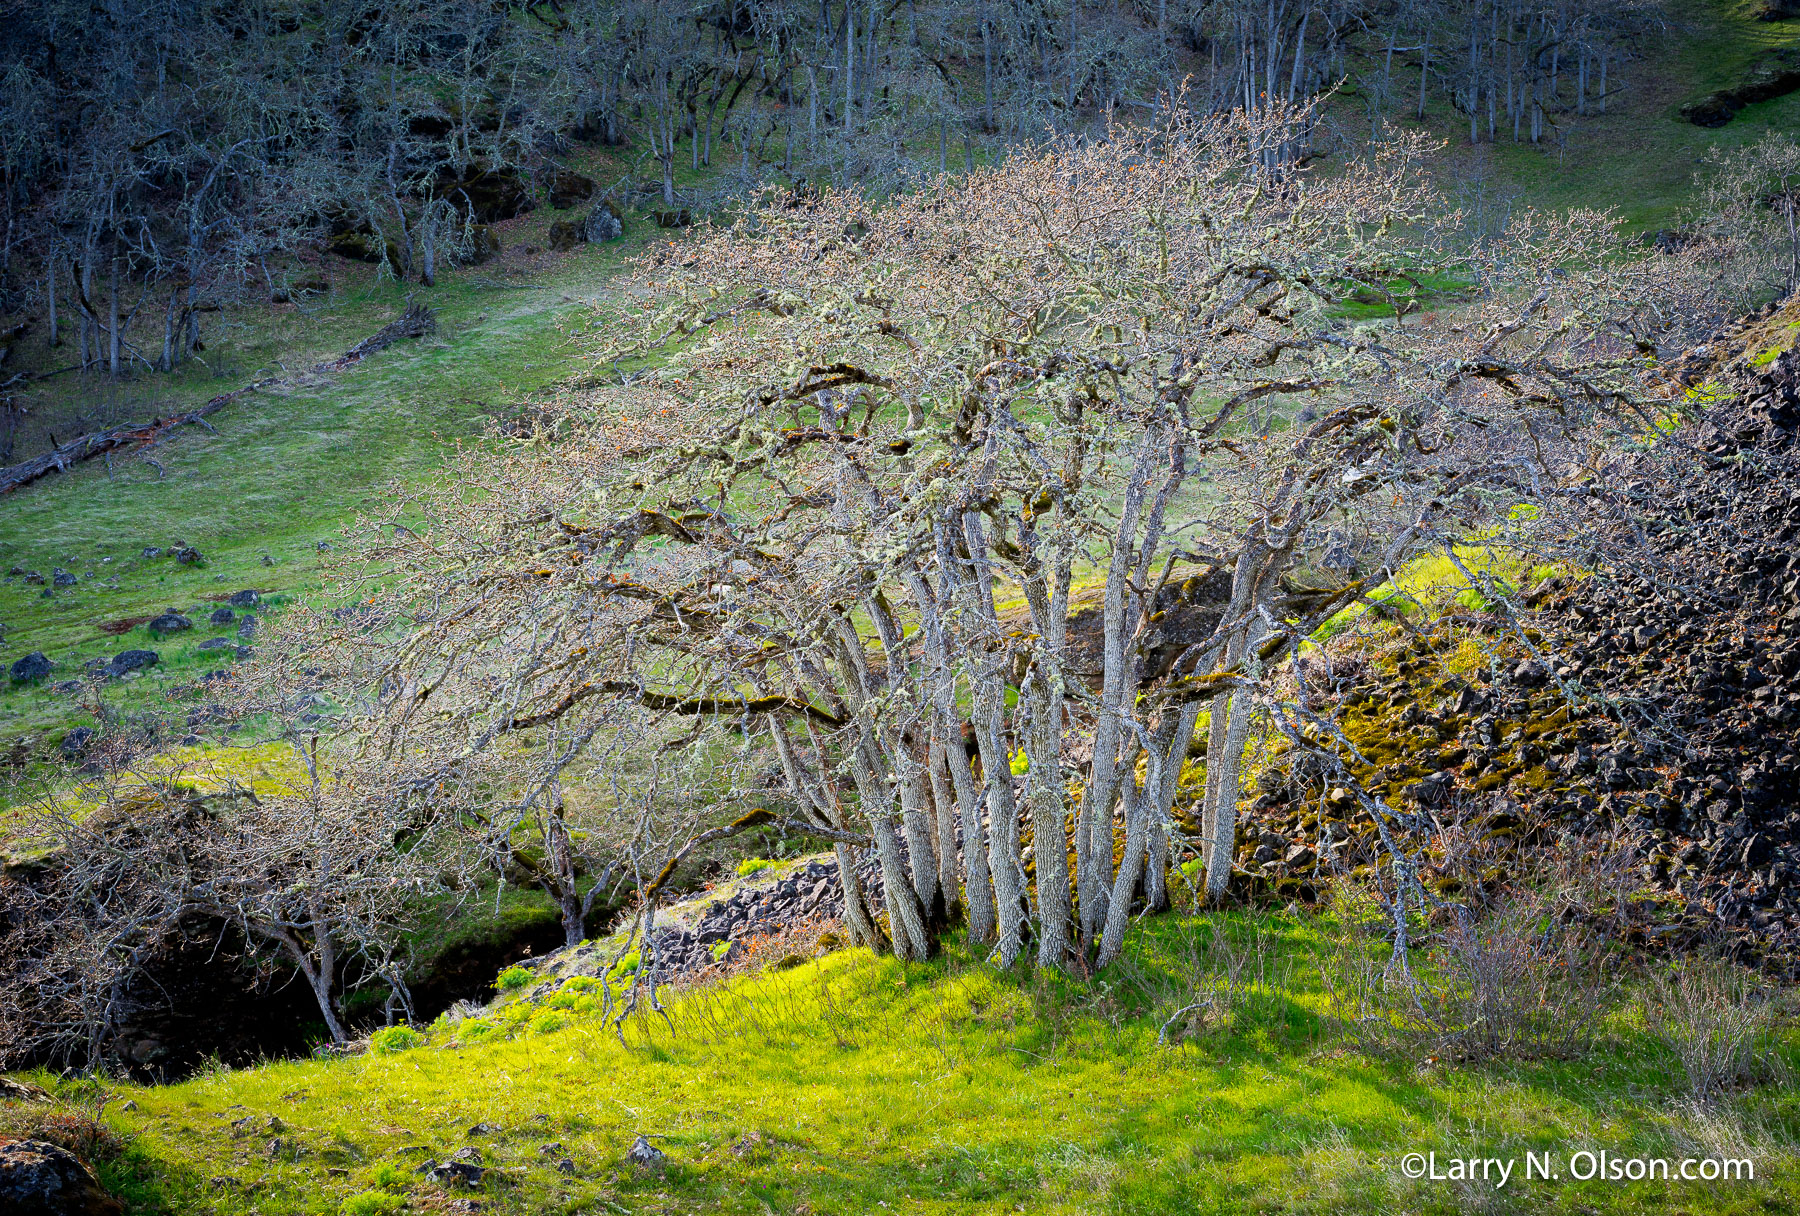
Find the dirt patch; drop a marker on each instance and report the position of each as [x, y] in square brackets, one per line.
[124, 624]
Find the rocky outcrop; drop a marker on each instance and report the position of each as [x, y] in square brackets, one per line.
[39, 1179]
[1774, 75]
[1663, 715]
[568, 187]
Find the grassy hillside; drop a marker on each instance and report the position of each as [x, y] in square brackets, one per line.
[853, 1085]
[1640, 156]
[278, 474]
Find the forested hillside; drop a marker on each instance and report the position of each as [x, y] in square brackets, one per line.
[941, 605]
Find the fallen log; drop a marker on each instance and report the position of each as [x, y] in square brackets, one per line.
[415, 322]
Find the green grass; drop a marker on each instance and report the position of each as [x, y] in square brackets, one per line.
[1641, 156]
[855, 1082]
[282, 474]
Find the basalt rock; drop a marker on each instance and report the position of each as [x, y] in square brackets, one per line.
[40, 1179]
[568, 188]
[1698, 780]
[1775, 75]
[488, 195]
[170, 622]
[31, 668]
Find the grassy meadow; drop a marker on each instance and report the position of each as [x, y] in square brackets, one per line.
[850, 1084]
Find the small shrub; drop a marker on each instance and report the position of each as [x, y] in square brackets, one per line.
[627, 965]
[390, 1177]
[547, 1023]
[513, 979]
[580, 983]
[1720, 1023]
[76, 1130]
[754, 865]
[475, 1030]
[392, 1040]
[1513, 982]
[372, 1203]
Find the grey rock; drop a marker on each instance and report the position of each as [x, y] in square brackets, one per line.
[33, 666]
[224, 616]
[244, 599]
[647, 1156]
[601, 225]
[216, 644]
[132, 660]
[38, 1178]
[62, 578]
[247, 627]
[150, 551]
[75, 743]
[170, 622]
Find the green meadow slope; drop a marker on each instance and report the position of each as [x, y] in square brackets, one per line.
[854, 1085]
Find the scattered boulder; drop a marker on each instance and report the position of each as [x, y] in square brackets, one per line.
[216, 644]
[564, 236]
[35, 578]
[603, 223]
[363, 245]
[186, 555]
[484, 243]
[244, 599]
[647, 1157]
[150, 552]
[488, 195]
[568, 188]
[40, 1179]
[247, 627]
[62, 578]
[463, 1168]
[221, 616]
[20, 1091]
[75, 744]
[31, 668]
[131, 660]
[169, 622]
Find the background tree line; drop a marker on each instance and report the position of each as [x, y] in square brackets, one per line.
[157, 159]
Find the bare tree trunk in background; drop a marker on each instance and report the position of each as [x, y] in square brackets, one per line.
[166, 362]
[1424, 69]
[987, 67]
[90, 324]
[112, 343]
[1793, 275]
[50, 289]
[428, 229]
[1474, 82]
